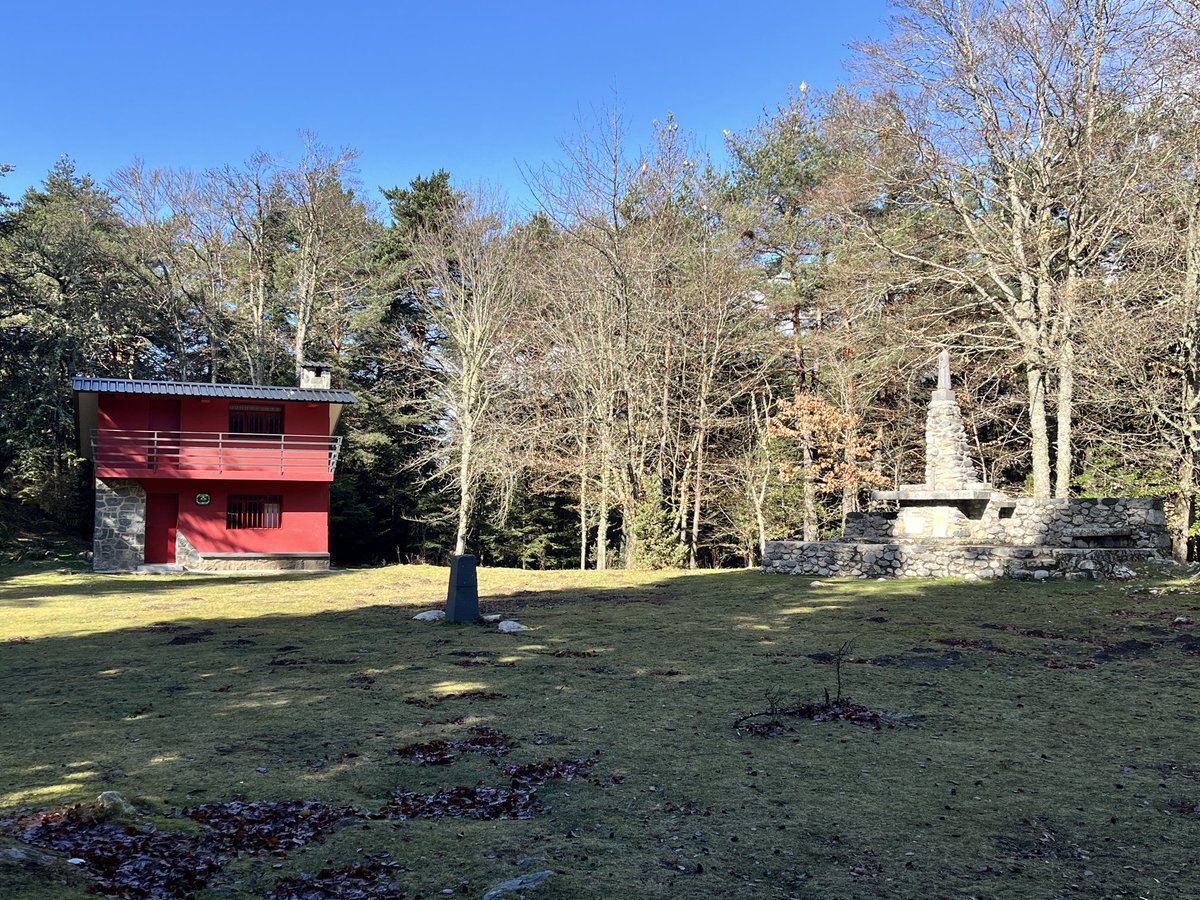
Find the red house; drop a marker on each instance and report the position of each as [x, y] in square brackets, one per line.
[210, 477]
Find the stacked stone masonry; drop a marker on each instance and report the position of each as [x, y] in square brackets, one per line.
[120, 535]
[1113, 522]
[947, 457]
[1014, 538]
[262, 562]
[954, 525]
[889, 560]
[1081, 523]
[187, 556]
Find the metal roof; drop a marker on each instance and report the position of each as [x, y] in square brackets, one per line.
[205, 389]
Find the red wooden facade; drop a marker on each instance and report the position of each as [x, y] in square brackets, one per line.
[215, 492]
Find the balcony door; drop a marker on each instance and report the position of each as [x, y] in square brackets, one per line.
[162, 516]
[256, 438]
[164, 422]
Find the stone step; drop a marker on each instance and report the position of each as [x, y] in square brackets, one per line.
[160, 569]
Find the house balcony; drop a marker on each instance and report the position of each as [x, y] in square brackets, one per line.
[212, 454]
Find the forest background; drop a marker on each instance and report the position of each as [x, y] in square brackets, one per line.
[670, 361]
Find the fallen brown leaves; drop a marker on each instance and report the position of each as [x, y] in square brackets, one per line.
[479, 739]
[1184, 807]
[1046, 635]
[367, 880]
[124, 861]
[482, 801]
[981, 645]
[438, 699]
[537, 774]
[765, 729]
[255, 827]
[837, 709]
[141, 862]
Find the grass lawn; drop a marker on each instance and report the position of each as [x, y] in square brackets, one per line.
[1051, 746]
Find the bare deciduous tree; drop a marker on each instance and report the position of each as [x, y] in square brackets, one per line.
[1019, 118]
[472, 300]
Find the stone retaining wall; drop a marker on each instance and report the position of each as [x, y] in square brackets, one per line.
[193, 560]
[119, 541]
[1114, 522]
[267, 562]
[1082, 523]
[901, 559]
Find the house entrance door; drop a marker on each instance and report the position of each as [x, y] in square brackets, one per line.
[162, 514]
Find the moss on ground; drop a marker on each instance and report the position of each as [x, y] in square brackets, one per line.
[1056, 736]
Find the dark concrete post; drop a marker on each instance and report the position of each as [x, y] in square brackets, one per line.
[462, 599]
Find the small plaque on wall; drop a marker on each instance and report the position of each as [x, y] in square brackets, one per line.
[203, 499]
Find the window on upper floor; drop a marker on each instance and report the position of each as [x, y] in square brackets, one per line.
[255, 418]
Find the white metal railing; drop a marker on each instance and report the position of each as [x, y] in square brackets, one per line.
[214, 451]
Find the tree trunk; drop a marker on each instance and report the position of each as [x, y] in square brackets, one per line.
[602, 520]
[761, 521]
[298, 347]
[850, 488]
[1066, 400]
[697, 494]
[809, 487]
[1189, 364]
[1039, 436]
[464, 493]
[583, 520]
[1184, 514]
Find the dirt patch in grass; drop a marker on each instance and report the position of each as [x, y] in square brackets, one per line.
[1189, 644]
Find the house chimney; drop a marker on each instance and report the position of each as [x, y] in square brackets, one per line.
[315, 375]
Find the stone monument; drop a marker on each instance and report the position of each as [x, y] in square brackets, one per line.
[954, 524]
[951, 495]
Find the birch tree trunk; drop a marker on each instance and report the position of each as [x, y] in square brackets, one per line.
[1039, 437]
[1065, 410]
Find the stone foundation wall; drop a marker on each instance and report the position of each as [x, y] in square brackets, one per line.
[193, 560]
[119, 539]
[902, 559]
[1137, 523]
[186, 554]
[263, 563]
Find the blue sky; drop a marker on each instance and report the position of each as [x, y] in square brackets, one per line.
[480, 89]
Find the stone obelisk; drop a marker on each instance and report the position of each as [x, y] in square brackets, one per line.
[948, 463]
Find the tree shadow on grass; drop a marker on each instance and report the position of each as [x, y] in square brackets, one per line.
[148, 707]
[23, 586]
[647, 678]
